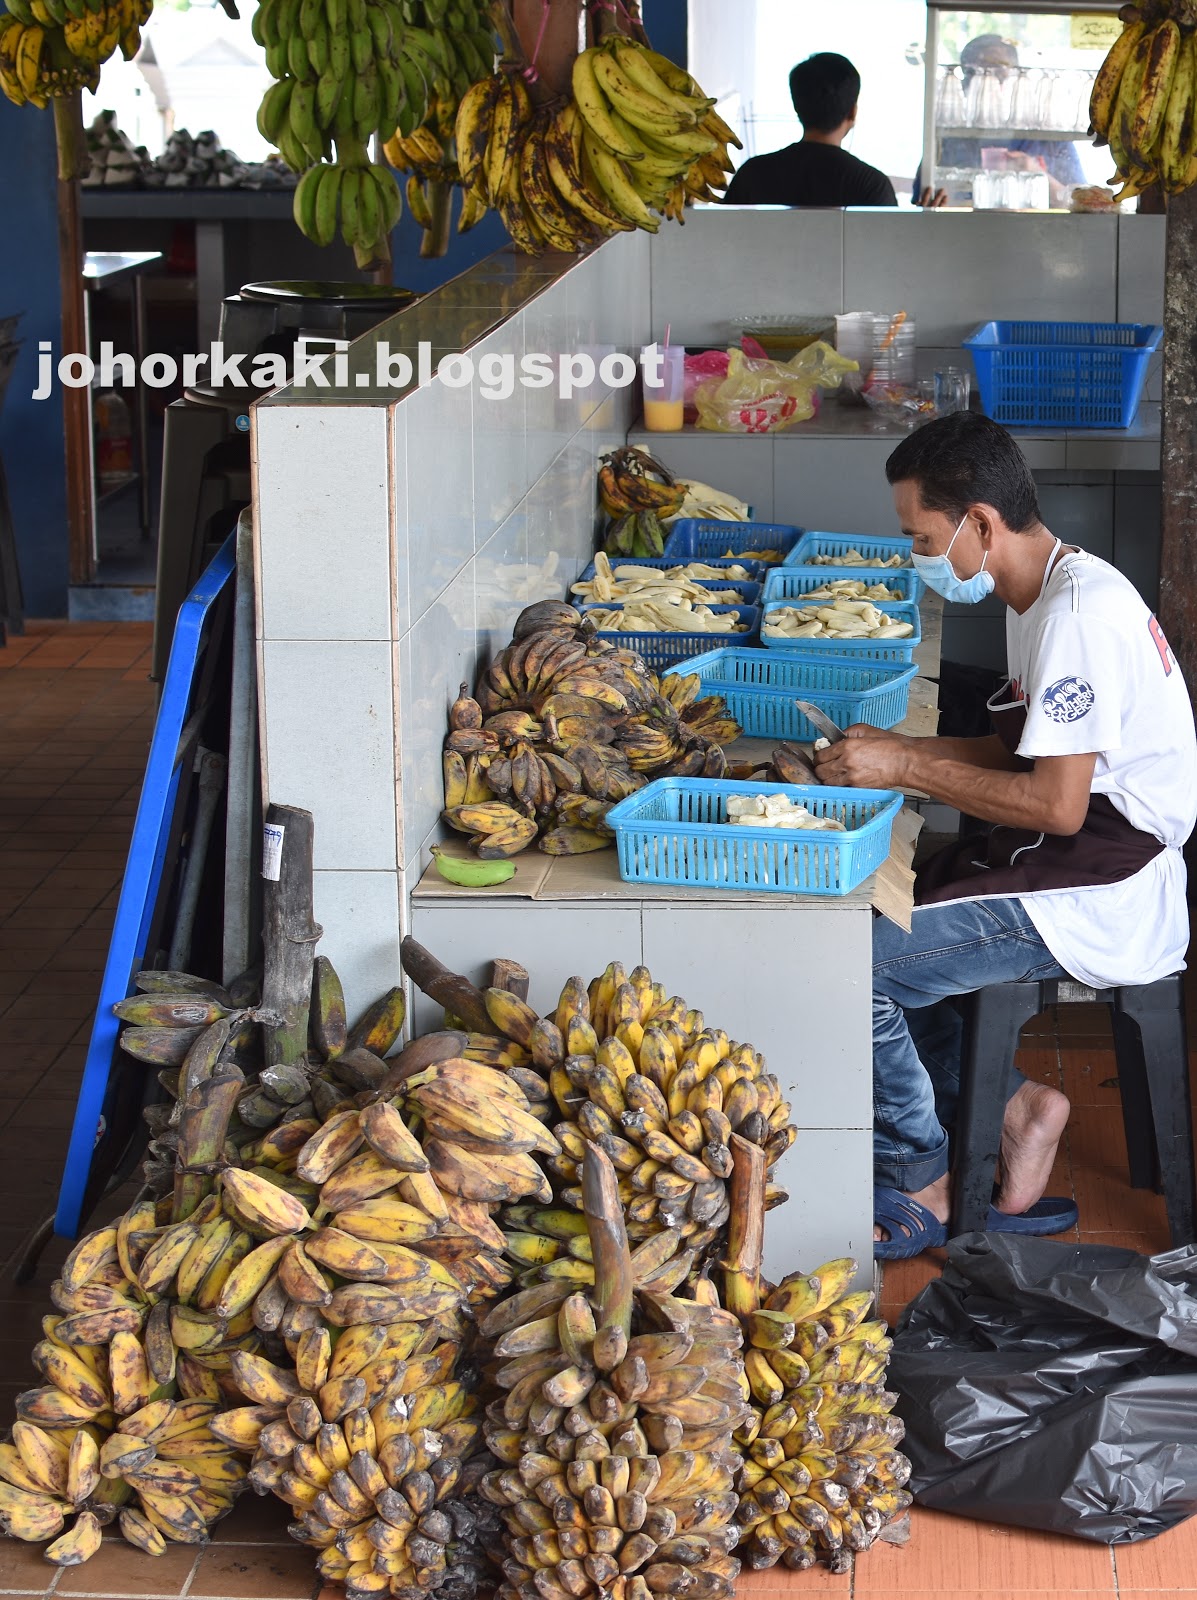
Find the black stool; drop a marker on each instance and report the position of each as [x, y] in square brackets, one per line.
[1151, 1049]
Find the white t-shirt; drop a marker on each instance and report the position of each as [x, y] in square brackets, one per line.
[1094, 670]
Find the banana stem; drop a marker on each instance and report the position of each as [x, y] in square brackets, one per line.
[614, 1282]
[203, 1128]
[435, 242]
[745, 1228]
[73, 159]
[504, 26]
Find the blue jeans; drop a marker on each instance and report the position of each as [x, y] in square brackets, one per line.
[950, 950]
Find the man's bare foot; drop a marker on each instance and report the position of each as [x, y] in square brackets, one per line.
[1034, 1123]
[937, 1199]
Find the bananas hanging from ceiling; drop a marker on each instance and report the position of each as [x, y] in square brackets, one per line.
[347, 70]
[1144, 99]
[50, 49]
[636, 141]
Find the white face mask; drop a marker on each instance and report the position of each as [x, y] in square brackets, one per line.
[938, 573]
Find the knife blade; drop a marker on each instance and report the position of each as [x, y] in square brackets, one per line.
[820, 720]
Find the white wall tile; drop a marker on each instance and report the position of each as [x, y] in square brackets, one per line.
[440, 489]
[359, 913]
[562, 511]
[500, 435]
[504, 584]
[323, 521]
[400, 530]
[731, 262]
[434, 659]
[834, 485]
[830, 1209]
[329, 719]
[1141, 269]
[554, 942]
[954, 270]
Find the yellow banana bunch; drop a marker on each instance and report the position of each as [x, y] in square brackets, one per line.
[564, 726]
[613, 1427]
[1142, 104]
[637, 140]
[820, 1473]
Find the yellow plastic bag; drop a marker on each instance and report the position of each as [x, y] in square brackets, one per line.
[766, 396]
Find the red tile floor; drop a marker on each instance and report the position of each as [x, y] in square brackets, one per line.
[76, 711]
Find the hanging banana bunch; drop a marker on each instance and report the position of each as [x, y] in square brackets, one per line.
[348, 71]
[50, 50]
[636, 141]
[1143, 101]
[428, 156]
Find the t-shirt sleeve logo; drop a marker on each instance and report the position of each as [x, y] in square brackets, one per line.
[1068, 700]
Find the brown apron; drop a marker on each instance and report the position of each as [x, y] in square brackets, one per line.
[1014, 861]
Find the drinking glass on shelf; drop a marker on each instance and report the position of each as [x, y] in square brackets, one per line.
[989, 100]
[1043, 108]
[1024, 101]
[949, 104]
[951, 388]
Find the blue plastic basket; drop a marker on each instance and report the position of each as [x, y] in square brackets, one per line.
[674, 832]
[661, 650]
[1063, 374]
[754, 569]
[759, 688]
[853, 649]
[838, 544]
[788, 583]
[691, 539]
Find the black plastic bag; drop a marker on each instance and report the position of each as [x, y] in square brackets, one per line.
[1053, 1386]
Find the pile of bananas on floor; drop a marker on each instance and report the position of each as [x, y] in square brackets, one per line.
[465, 1303]
[642, 498]
[561, 727]
[1144, 101]
[50, 49]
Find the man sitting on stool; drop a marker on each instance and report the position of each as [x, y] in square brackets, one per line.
[1091, 780]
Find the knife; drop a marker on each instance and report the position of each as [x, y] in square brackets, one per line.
[821, 721]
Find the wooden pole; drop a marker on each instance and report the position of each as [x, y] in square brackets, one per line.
[1178, 451]
[76, 403]
[289, 935]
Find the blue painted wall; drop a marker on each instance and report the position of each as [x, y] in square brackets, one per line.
[667, 22]
[32, 437]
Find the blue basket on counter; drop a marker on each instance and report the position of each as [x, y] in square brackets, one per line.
[691, 539]
[759, 688]
[853, 649]
[789, 583]
[754, 569]
[675, 832]
[662, 650]
[839, 544]
[1063, 374]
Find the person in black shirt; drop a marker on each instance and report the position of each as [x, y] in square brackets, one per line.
[815, 171]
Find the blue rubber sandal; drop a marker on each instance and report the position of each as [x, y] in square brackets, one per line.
[911, 1227]
[1052, 1214]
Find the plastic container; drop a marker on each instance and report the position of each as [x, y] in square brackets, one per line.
[661, 650]
[754, 569]
[838, 544]
[853, 649]
[114, 439]
[664, 403]
[787, 583]
[692, 539]
[674, 832]
[1063, 374]
[760, 686]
